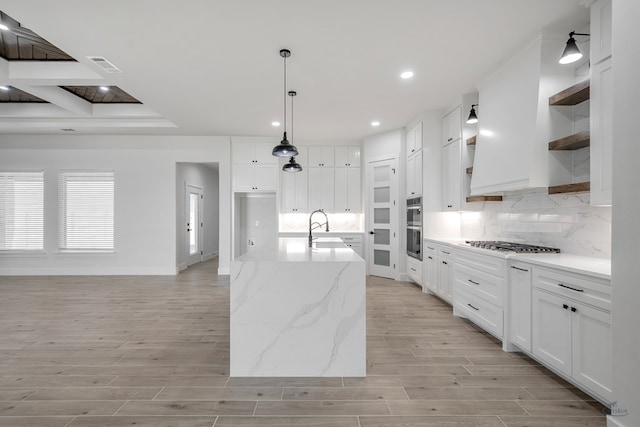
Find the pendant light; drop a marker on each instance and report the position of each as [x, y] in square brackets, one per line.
[285, 148]
[292, 166]
[571, 51]
[473, 117]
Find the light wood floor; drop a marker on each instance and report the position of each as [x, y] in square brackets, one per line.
[154, 352]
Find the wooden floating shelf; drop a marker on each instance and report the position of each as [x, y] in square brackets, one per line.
[573, 95]
[580, 187]
[472, 140]
[484, 199]
[469, 170]
[571, 142]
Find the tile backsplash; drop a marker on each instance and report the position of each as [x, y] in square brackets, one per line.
[339, 222]
[564, 221]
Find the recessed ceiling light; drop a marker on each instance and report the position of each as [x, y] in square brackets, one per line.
[375, 123]
[407, 74]
[275, 124]
[4, 27]
[4, 87]
[104, 88]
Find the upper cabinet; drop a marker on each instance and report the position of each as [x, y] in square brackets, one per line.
[514, 119]
[321, 156]
[451, 126]
[601, 104]
[414, 139]
[254, 167]
[347, 156]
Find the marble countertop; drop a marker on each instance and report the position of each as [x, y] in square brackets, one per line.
[596, 267]
[296, 249]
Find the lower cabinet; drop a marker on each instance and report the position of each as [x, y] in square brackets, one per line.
[439, 262]
[445, 274]
[354, 242]
[573, 337]
[431, 268]
[414, 270]
[519, 307]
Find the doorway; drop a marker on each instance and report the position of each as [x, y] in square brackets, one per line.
[382, 219]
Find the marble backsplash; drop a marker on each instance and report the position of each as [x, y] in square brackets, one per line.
[564, 221]
[338, 222]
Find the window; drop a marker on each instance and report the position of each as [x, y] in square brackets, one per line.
[86, 211]
[21, 211]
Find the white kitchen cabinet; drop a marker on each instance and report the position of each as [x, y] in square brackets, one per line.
[591, 362]
[452, 126]
[452, 177]
[600, 41]
[347, 156]
[571, 328]
[414, 139]
[414, 175]
[445, 274]
[347, 190]
[520, 305]
[414, 270]
[294, 193]
[353, 241]
[601, 122]
[321, 188]
[254, 169]
[552, 330]
[431, 268]
[321, 156]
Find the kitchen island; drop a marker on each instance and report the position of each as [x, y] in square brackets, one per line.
[298, 311]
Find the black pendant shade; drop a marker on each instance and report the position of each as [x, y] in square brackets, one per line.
[285, 148]
[292, 166]
[473, 117]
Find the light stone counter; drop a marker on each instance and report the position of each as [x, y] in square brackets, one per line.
[298, 311]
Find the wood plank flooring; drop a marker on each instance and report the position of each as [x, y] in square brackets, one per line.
[154, 352]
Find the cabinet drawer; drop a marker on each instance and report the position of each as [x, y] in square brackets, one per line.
[414, 269]
[480, 312]
[351, 239]
[486, 286]
[445, 252]
[488, 264]
[588, 290]
[430, 248]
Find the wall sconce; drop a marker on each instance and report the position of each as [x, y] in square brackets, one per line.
[571, 52]
[473, 117]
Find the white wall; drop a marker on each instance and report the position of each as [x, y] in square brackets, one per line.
[626, 208]
[205, 177]
[145, 198]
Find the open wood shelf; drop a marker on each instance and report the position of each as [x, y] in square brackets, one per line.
[580, 187]
[571, 142]
[484, 198]
[573, 95]
[469, 170]
[472, 140]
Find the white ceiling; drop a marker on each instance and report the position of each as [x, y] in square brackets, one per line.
[211, 67]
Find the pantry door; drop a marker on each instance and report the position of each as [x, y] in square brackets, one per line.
[382, 219]
[195, 223]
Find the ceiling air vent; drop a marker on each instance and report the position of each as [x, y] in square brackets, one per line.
[104, 64]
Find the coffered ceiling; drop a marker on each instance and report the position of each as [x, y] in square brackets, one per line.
[211, 67]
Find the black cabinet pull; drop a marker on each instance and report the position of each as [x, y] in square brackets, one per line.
[429, 257]
[569, 287]
[475, 283]
[475, 308]
[445, 252]
[574, 310]
[565, 306]
[518, 268]
[444, 262]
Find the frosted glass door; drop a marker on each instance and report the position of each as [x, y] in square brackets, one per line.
[382, 221]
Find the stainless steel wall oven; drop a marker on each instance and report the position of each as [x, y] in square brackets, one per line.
[414, 227]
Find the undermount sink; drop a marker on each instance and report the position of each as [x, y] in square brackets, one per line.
[328, 242]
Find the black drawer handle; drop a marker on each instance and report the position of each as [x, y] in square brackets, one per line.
[444, 262]
[574, 310]
[445, 252]
[518, 268]
[565, 306]
[413, 269]
[429, 257]
[475, 283]
[475, 308]
[569, 287]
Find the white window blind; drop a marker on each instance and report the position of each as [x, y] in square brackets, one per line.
[86, 211]
[21, 211]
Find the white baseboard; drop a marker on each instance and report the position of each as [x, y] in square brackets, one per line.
[614, 422]
[209, 256]
[182, 266]
[89, 271]
[404, 277]
[224, 271]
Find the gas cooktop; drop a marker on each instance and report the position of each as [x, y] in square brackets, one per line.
[498, 245]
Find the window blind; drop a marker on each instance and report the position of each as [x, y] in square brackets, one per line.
[21, 211]
[86, 210]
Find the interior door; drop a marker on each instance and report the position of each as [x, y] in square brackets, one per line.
[382, 219]
[194, 224]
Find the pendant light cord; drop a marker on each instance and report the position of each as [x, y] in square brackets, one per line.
[285, 95]
[292, 118]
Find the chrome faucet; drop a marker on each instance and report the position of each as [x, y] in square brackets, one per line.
[314, 225]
